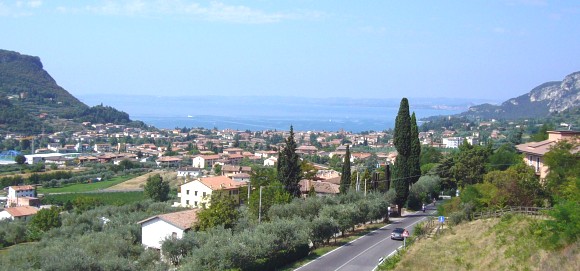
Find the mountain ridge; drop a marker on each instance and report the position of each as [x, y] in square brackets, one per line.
[543, 100]
[32, 102]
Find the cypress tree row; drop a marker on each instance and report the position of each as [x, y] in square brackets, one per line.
[415, 159]
[402, 141]
[289, 171]
[345, 177]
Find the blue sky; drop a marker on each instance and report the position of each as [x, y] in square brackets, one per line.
[312, 48]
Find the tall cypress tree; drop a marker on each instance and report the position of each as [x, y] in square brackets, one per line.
[415, 158]
[289, 170]
[345, 177]
[402, 141]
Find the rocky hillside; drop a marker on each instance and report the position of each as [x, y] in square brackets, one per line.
[545, 99]
[32, 101]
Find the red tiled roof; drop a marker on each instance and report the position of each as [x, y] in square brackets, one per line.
[168, 159]
[319, 187]
[183, 219]
[21, 211]
[22, 187]
[220, 183]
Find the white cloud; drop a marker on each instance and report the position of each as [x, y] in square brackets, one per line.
[19, 8]
[214, 11]
[34, 4]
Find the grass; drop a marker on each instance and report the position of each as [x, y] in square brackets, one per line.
[86, 187]
[490, 244]
[110, 198]
[340, 241]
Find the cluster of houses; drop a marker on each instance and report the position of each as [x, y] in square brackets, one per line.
[198, 186]
[21, 203]
[197, 193]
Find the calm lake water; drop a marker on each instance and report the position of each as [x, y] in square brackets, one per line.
[260, 113]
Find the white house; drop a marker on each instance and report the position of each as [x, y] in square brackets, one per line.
[452, 142]
[101, 148]
[18, 213]
[168, 161]
[15, 193]
[189, 171]
[203, 161]
[270, 162]
[241, 177]
[198, 192]
[156, 229]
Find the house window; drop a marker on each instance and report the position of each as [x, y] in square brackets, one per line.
[174, 235]
[187, 192]
[203, 194]
[195, 203]
[235, 192]
[195, 193]
[186, 202]
[538, 164]
[230, 192]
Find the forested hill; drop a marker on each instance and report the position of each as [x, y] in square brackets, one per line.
[31, 100]
[542, 101]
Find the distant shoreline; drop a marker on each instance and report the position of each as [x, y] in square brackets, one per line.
[273, 113]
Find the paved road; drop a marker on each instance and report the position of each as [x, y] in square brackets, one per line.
[364, 253]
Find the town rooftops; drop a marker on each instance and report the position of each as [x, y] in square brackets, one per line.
[183, 219]
[21, 211]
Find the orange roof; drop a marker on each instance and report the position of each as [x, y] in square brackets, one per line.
[22, 187]
[220, 183]
[183, 219]
[209, 157]
[21, 211]
[168, 159]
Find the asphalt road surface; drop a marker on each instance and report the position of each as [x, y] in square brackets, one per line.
[363, 254]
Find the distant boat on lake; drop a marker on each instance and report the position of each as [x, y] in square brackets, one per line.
[189, 116]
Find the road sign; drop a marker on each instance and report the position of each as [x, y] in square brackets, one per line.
[441, 219]
[405, 234]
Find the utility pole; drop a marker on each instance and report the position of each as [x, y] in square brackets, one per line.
[357, 181]
[260, 206]
[365, 187]
[249, 184]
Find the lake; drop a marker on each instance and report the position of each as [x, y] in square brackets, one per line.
[273, 113]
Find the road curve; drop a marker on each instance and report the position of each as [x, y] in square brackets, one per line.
[364, 253]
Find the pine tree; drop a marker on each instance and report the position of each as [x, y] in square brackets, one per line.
[415, 158]
[345, 177]
[402, 141]
[289, 170]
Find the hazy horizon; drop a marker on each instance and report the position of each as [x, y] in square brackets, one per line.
[273, 113]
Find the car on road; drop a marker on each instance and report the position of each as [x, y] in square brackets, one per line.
[397, 234]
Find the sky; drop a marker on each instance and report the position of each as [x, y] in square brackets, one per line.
[481, 49]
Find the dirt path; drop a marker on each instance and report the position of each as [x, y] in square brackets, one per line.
[135, 183]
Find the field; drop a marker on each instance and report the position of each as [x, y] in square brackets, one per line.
[138, 182]
[110, 198]
[489, 244]
[85, 187]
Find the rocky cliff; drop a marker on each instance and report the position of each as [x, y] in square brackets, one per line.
[547, 98]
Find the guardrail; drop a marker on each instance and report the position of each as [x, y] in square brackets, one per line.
[531, 211]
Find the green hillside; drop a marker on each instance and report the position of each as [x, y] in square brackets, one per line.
[31, 101]
[490, 244]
